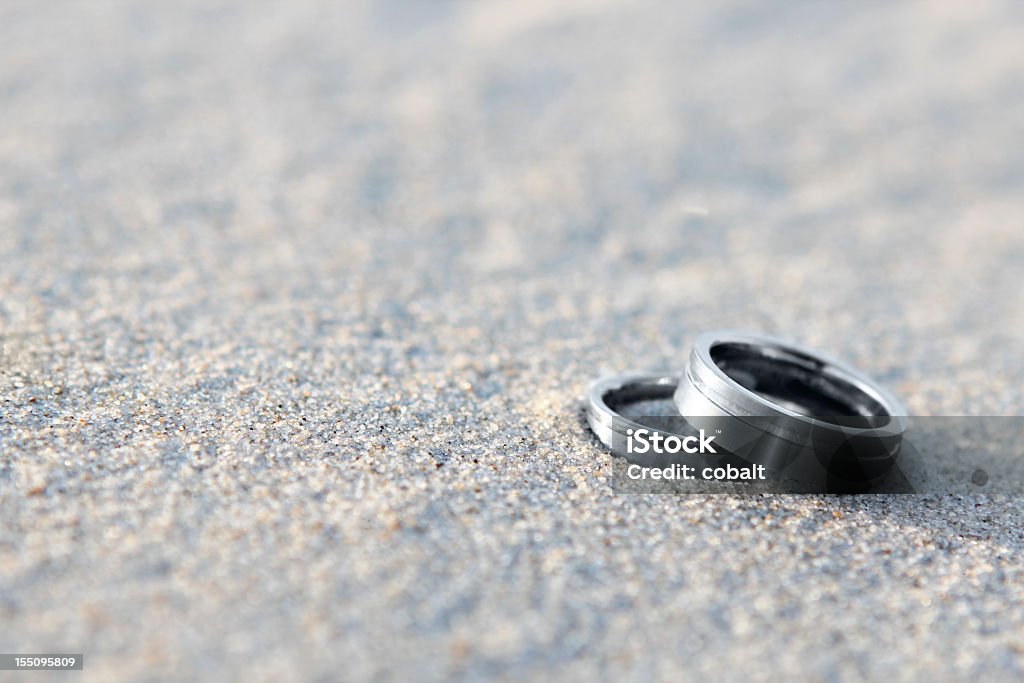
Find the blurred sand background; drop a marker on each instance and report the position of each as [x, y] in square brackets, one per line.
[298, 301]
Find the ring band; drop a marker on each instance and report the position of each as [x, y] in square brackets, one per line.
[798, 413]
[612, 428]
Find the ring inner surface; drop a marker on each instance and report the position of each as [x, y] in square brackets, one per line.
[633, 399]
[646, 403]
[798, 383]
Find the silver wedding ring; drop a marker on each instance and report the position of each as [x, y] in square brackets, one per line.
[613, 428]
[803, 416]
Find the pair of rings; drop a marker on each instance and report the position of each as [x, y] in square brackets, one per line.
[802, 416]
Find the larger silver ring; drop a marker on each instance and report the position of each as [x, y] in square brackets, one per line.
[800, 414]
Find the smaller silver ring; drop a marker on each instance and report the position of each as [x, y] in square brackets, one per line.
[612, 428]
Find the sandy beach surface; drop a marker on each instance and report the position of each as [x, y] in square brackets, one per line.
[298, 302]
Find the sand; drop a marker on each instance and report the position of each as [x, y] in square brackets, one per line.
[298, 302]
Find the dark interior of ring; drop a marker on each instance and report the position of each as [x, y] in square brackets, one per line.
[649, 404]
[636, 392]
[795, 382]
